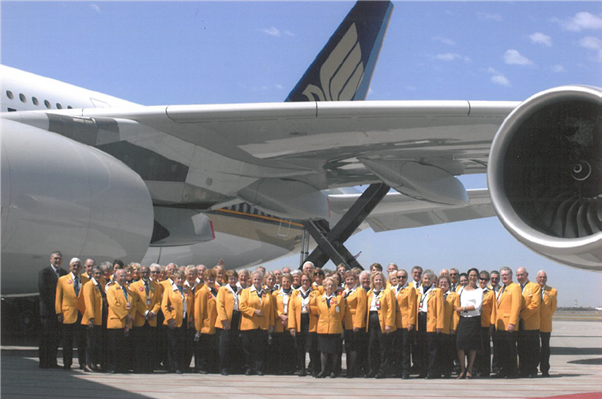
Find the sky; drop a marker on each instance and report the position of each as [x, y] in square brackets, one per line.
[159, 53]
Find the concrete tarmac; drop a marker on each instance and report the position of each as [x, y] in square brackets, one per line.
[576, 373]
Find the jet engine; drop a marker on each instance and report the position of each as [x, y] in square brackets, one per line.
[544, 175]
[58, 194]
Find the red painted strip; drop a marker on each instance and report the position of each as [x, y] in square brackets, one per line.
[584, 395]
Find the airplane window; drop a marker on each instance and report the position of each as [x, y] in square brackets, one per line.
[47, 104]
[69, 107]
[22, 97]
[35, 101]
[9, 94]
[59, 106]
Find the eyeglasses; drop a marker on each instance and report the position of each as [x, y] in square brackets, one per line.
[483, 279]
[453, 274]
[402, 276]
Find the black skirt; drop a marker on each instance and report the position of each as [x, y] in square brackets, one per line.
[330, 343]
[468, 336]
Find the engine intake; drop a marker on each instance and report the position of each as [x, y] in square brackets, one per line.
[544, 174]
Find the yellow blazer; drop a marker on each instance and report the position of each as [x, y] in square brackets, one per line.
[84, 278]
[330, 319]
[155, 292]
[434, 310]
[547, 309]
[387, 312]
[205, 310]
[92, 302]
[529, 313]
[225, 306]
[278, 301]
[172, 306]
[294, 311]
[487, 307]
[118, 306]
[507, 308]
[67, 303]
[406, 307]
[451, 318]
[355, 314]
[249, 302]
[318, 288]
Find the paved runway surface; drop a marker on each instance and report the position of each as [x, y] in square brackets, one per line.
[576, 374]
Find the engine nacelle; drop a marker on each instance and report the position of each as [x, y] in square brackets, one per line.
[58, 194]
[544, 175]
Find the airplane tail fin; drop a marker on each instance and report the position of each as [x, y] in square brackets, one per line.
[342, 71]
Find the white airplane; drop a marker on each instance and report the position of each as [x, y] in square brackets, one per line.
[97, 176]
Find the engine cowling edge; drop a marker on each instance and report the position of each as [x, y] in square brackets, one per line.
[544, 175]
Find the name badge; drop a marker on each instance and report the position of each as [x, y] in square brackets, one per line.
[127, 306]
[148, 301]
[378, 305]
[338, 310]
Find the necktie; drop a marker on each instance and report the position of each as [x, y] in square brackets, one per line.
[146, 288]
[76, 285]
[328, 302]
[125, 293]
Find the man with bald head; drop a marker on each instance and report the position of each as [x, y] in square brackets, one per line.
[528, 331]
[546, 311]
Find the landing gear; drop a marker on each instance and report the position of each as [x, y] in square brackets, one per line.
[330, 241]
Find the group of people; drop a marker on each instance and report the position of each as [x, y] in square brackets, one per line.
[146, 318]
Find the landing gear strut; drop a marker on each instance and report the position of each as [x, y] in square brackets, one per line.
[330, 241]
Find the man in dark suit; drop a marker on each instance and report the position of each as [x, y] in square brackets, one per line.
[49, 340]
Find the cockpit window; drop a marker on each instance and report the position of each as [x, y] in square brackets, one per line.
[9, 94]
[22, 97]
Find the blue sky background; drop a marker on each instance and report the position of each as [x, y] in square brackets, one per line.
[159, 53]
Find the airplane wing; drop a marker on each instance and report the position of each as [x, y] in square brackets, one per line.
[204, 155]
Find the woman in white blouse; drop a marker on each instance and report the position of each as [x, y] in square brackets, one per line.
[468, 337]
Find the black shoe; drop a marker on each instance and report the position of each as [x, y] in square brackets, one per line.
[511, 376]
[302, 374]
[421, 376]
[322, 374]
[333, 375]
[545, 374]
[499, 375]
[259, 372]
[202, 372]
[370, 374]
[380, 374]
[67, 367]
[405, 376]
[534, 375]
[430, 377]
[224, 372]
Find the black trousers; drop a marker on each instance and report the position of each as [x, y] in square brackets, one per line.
[176, 348]
[528, 351]
[75, 332]
[49, 341]
[94, 345]
[229, 345]
[496, 364]
[378, 345]
[284, 345]
[446, 354]
[483, 361]
[427, 345]
[403, 347]
[206, 353]
[255, 345]
[117, 350]
[544, 356]
[507, 352]
[145, 344]
[307, 342]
